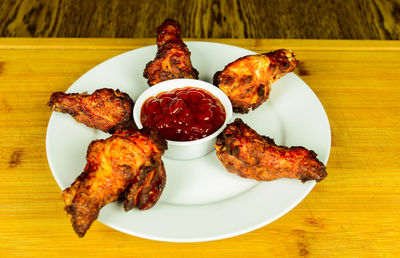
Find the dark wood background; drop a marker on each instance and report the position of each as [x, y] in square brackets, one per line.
[320, 19]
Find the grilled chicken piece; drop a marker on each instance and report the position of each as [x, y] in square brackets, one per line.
[244, 152]
[113, 166]
[247, 81]
[148, 188]
[172, 60]
[104, 109]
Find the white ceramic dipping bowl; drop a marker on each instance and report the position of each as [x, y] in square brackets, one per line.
[185, 150]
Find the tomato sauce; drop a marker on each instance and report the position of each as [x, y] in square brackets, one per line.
[183, 114]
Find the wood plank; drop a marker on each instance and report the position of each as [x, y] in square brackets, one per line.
[356, 19]
[354, 212]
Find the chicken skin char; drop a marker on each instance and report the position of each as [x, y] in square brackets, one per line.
[172, 60]
[244, 152]
[113, 166]
[103, 110]
[169, 30]
[147, 189]
[247, 81]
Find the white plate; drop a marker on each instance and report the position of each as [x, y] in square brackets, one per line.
[201, 200]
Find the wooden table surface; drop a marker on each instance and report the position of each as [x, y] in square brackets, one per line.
[317, 19]
[355, 211]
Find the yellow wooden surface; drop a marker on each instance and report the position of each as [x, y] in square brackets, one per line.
[355, 211]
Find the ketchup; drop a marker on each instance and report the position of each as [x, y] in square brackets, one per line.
[183, 114]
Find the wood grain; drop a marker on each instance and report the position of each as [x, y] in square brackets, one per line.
[354, 212]
[319, 19]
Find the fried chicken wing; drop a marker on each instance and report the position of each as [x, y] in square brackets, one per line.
[146, 191]
[113, 166]
[104, 109]
[172, 60]
[244, 152]
[247, 81]
[148, 185]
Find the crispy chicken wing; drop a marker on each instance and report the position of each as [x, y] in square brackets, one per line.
[113, 166]
[146, 191]
[244, 152]
[172, 60]
[247, 81]
[148, 185]
[104, 109]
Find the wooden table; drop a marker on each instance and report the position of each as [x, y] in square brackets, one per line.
[354, 212]
[317, 19]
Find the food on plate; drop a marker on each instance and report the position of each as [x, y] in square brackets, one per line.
[172, 60]
[114, 165]
[246, 153]
[183, 114]
[127, 166]
[146, 191]
[149, 184]
[104, 109]
[247, 81]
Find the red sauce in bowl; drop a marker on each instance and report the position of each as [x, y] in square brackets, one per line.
[183, 114]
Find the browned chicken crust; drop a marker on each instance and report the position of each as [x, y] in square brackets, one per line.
[104, 109]
[244, 152]
[247, 81]
[172, 60]
[146, 191]
[113, 166]
[148, 185]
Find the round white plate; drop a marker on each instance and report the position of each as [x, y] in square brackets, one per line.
[201, 200]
